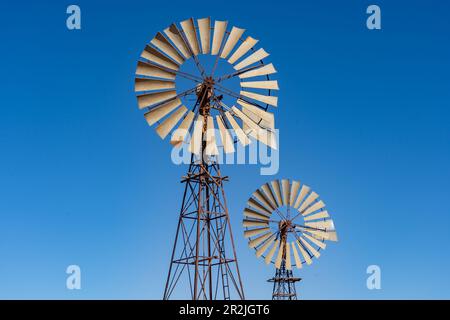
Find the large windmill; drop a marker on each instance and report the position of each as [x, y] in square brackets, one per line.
[204, 261]
[283, 220]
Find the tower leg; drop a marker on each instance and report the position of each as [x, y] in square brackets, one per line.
[284, 284]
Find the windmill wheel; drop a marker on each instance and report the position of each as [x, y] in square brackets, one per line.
[187, 114]
[286, 217]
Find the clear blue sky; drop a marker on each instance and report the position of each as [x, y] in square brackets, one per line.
[364, 119]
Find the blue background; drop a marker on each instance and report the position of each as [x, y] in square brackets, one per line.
[363, 117]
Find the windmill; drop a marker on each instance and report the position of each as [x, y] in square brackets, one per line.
[287, 225]
[201, 262]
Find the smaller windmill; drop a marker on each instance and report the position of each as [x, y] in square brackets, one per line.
[287, 224]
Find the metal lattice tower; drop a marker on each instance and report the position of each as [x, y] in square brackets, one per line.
[284, 284]
[204, 236]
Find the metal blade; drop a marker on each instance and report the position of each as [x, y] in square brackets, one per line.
[271, 100]
[277, 190]
[272, 250]
[269, 195]
[161, 42]
[294, 191]
[257, 241]
[318, 243]
[303, 192]
[144, 84]
[158, 113]
[263, 71]
[310, 248]
[204, 26]
[153, 55]
[267, 118]
[264, 247]
[303, 252]
[225, 137]
[149, 99]
[174, 35]
[248, 212]
[219, 31]
[242, 137]
[270, 84]
[324, 224]
[298, 262]
[259, 195]
[311, 197]
[233, 38]
[319, 215]
[253, 223]
[144, 69]
[211, 145]
[254, 232]
[316, 206]
[180, 133]
[243, 49]
[191, 35]
[288, 257]
[251, 59]
[286, 189]
[167, 125]
[255, 204]
[279, 256]
[196, 140]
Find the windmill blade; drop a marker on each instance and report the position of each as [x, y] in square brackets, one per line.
[243, 49]
[332, 236]
[277, 190]
[196, 140]
[145, 69]
[179, 135]
[269, 195]
[324, 224]
[153, 55]
[319, 215]
[316, 206]
[286, 188]
[257, 241]
[259, 131]
[233, 38]
[160, 112]
[253, 223]
[174, 35]
[255, 204]
[219, 31]
[288, 256]
[315, 233]
[255, 130]
[304, 253]
[144, 84]
[294, 191]
[310, 248]
[272, 250]
[250, 213]
[242, 137]
[279, 257]
[265, 246]
[262, 71]
[298, 262]
[255, 232]
[311, 197]
[225, 137]
[271, 100]
[303, 192]
[318, 243]
[161, 43]
[261, 198]
[251, 59]
[149, 99]
[211, 145]
[204, 26]
[267, 117]
[167, 125]
[269, 84]
[191, 35]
